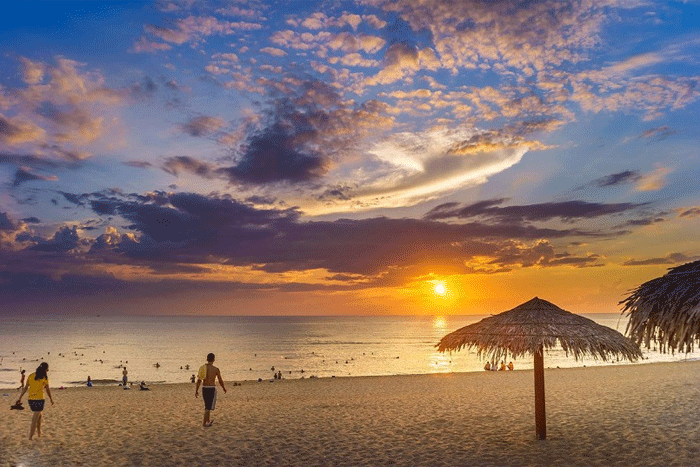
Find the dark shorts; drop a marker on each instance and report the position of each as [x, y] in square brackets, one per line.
[37, 405]
[209, 396]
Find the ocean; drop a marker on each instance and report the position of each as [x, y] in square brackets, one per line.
[171, 349]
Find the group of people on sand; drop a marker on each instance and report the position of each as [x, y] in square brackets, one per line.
[495, 367]
[37, 384]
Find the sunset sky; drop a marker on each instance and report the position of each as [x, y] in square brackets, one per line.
[339, 157]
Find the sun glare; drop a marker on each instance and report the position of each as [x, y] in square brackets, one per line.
[440, 289]
[439, 322]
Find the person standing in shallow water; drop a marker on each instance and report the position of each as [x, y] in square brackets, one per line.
[36, 383]
[208, 375]
[124, 376]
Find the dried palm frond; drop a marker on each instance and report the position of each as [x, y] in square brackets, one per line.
[666, 310]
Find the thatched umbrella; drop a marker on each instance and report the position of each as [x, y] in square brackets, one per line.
[666, 309]
[531, 328]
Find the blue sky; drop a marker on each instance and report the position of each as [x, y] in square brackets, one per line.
[345, 157]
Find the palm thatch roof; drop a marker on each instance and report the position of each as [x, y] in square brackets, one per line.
[666, 310]
[539, 324]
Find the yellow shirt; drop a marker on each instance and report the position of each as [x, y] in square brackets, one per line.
[36, 387]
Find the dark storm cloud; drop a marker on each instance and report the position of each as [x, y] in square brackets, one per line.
[566, 210]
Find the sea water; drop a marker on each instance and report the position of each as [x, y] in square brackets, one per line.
[171, 349]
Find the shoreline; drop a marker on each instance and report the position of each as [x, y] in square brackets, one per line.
[117, 382]
[612, 415]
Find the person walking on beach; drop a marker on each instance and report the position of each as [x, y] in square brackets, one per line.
[36, 383]
[124, 377]
[21, 380]
[208, 374]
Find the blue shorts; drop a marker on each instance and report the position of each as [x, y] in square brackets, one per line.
[37, 405]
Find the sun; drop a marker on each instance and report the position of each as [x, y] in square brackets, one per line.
[440, 289]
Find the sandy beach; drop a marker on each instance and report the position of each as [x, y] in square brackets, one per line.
[624, 415]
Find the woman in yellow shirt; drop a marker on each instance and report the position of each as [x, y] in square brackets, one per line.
[36, 383]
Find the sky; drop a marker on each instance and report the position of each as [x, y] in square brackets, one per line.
[368, 157]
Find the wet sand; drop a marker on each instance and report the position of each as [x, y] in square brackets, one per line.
[628, 415]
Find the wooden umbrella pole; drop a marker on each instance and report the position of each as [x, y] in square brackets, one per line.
[540, 420]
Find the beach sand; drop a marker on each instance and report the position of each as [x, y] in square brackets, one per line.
[627, 415]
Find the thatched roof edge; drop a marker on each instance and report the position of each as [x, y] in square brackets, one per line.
[538, 323]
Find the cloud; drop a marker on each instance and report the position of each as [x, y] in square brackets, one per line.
[273, 51]
[537, 42]
[347, 42]
[690, 212]
[539, 253]
[565, 210]
[76, 123]
[658, 133]
[202, 126]
[177, 164]
[33, 71]
[279, 154]
[233, 10]
[413, 167]
[403, 60]
[654, 180]
[24, 175]
[181, 234]
[196, 28]
[55, 115]
[191, 228]
[13, 131]
[143, 45]
[138, 164]
[671, 258]
[517, 35]
[303, 135]
[616, 179]
[5, 222]
[65, 239]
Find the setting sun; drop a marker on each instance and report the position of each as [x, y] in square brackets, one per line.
[440, 289]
